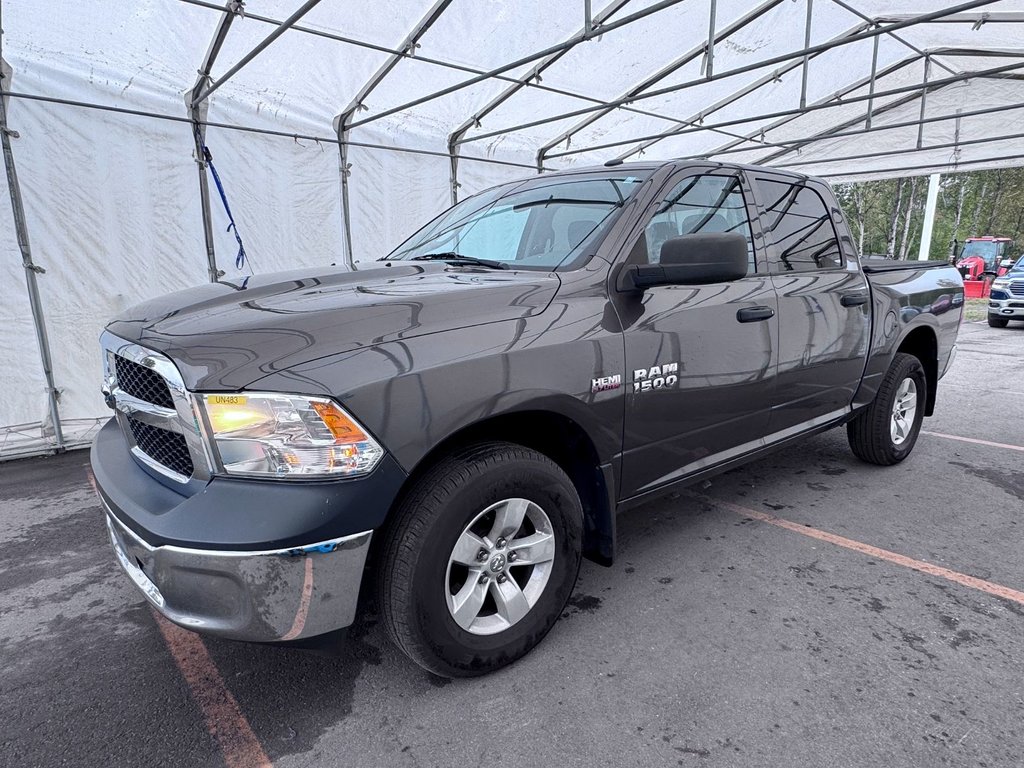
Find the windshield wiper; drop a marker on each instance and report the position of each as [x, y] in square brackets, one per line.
[457, 258]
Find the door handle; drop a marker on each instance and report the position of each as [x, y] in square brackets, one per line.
[753, 314]
[853, 299]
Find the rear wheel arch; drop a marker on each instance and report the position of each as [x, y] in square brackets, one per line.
[922, 343]
[562, 440]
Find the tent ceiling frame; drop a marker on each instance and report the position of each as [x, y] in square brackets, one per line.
[794, 115]
[827, 102]
[836, 131]
[906, 151]
[491, 74]
[657, 77]
[698, 117]
[979, 19]
[455, 137]
[342, 120]
[782, 58]
[938, 167]
[398, 52]
[805, 141]
[265, 43]
[898, 38]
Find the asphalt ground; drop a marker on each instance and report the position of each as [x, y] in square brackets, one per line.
[719, 637]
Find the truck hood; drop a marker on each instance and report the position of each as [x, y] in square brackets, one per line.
[225, 336]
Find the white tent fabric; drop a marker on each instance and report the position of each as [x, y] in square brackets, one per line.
[112, 201]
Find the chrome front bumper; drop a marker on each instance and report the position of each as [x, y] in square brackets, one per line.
[1011, 309]
[265, 596]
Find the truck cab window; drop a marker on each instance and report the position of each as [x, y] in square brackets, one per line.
[800, 225]
[698, 205]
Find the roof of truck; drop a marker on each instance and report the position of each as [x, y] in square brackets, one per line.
[652, 166]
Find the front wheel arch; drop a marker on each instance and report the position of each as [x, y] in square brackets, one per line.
[562, 440]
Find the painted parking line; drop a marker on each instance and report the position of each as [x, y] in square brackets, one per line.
[974, 440]
[224, 718]
[996, 590]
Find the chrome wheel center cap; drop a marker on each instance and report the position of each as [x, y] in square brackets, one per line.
[497, 564]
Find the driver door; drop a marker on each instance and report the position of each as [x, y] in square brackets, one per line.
[700, 359]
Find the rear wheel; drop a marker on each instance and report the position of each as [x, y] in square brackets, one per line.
[481, 559]
[997, 322]
[885, 432]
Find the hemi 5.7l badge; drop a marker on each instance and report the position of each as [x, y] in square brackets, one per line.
[655, 377]
[605, 383]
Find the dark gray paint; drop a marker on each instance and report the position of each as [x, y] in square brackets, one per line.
[420, 352]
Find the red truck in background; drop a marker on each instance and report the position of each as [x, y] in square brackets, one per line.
[981, 260]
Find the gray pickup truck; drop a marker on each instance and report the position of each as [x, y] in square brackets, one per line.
[459, 423]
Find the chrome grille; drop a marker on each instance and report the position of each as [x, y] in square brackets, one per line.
[1017, 287]
[163, 446]
[154, 410]
[142, 382]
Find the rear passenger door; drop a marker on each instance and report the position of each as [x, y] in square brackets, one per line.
[700, 359]
[824, 312]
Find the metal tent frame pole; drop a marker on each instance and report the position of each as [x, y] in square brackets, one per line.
[593, 115]
[342, 123]
[291, 135]
[837, 96]
[828, 102]
[697, 119]
[32, 270]
[424, 59]
[929, 217]
[898, 38]
[197, 112]
[493, 73]
[782, 58]
[455, 137]
[837, 131]
[955, 144]
[260, 47]
[995, 161]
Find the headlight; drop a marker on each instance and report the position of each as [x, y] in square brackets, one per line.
[272, 435]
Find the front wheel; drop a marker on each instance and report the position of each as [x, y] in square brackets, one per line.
[885, 432]
[997, 322]
[481, 559]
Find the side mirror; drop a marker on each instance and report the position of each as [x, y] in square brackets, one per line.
[699, 259]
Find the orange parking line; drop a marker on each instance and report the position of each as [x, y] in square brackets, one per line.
[997, 590]
[224, 718]
[974, 440]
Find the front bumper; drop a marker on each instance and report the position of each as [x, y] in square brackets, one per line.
[1011, 309]
[275, 595]
[250, 560]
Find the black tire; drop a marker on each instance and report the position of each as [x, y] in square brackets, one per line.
[422, 536]
[869, 433]
[997, 322]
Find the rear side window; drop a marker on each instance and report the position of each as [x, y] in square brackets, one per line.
[800, 225]
[699, 205]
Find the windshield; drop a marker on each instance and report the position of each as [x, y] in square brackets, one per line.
[987, 250]
[537, 224]
[1019, 266]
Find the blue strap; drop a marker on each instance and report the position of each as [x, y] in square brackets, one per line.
[232, 227]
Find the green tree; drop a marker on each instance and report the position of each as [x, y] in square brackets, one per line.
[886, 215]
